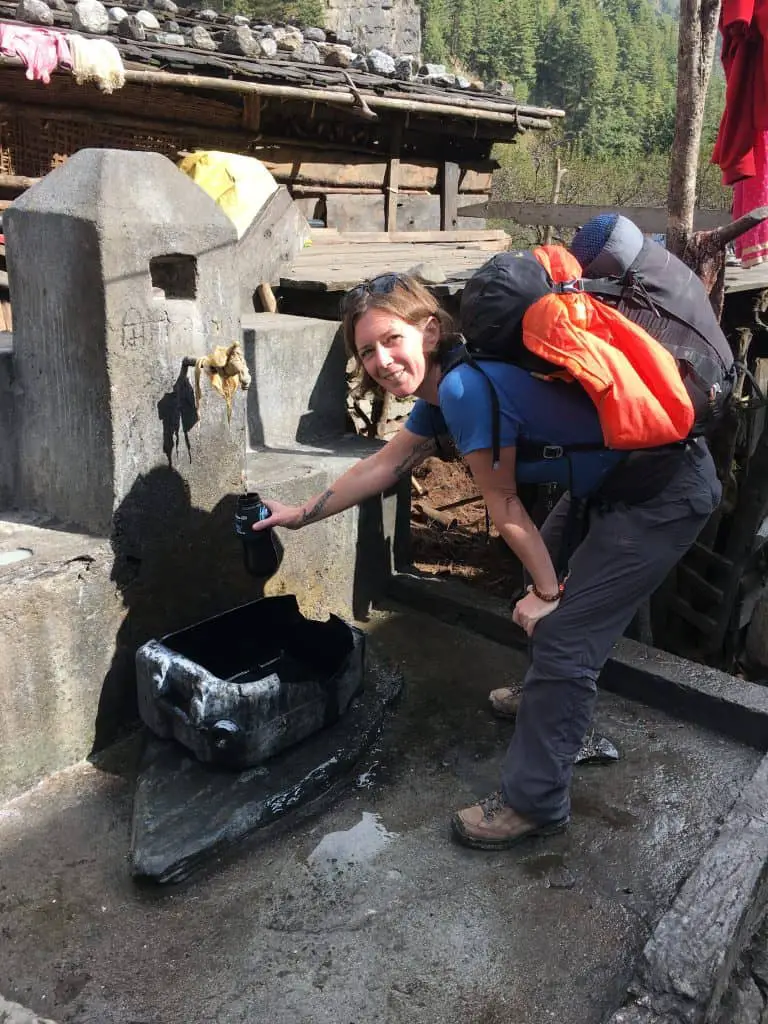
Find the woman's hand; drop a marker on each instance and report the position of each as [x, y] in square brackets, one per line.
[291, 517]
[530, 609]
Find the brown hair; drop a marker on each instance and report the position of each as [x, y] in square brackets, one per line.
[406, 298]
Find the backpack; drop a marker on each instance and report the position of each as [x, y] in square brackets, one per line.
[646, 346]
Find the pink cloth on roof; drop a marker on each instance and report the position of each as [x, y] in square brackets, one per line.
[748, 194]
[40, 49]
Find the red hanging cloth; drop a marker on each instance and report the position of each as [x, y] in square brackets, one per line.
[744, 28]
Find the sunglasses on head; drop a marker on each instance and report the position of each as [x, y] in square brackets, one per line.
[382, 284]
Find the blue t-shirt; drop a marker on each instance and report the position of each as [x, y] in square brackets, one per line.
[550, 412]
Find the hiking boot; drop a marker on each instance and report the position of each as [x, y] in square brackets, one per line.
[493, 825]
[505, 701]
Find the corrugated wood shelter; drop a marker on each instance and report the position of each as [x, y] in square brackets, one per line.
[358, 150]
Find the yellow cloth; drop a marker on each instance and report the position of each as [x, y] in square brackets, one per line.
[239, 184]
[226, 369]
[96, 60]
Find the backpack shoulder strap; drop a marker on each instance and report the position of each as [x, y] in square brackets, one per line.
[533, 451]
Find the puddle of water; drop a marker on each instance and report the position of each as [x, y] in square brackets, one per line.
[538, 867]
[17, 555]
[340, 850]
[367, 779]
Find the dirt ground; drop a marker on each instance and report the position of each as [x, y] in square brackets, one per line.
[462, 546]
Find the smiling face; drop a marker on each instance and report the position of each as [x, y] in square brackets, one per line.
[393, 352]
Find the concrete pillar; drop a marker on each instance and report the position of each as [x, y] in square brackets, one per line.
[120, 266]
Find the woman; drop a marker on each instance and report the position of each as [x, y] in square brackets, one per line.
[402, 341]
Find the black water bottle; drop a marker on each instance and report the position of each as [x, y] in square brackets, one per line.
[260, 549]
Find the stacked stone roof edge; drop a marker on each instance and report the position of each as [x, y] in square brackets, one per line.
[174, 47]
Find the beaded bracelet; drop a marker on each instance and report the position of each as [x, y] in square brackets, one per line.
[549, 598]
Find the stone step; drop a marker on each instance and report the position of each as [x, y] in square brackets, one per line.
[60, 613]
[341, 563]
[299, 389]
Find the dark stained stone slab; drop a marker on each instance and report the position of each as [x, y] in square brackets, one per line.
[185, 813]
[685, 967]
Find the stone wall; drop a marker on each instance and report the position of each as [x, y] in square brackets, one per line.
[390, 25]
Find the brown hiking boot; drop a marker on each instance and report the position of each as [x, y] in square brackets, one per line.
[505, 701]
[492, 825]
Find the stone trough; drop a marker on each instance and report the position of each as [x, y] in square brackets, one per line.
[273, 708]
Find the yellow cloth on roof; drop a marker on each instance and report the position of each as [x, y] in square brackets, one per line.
[96, 60]
[239, 184]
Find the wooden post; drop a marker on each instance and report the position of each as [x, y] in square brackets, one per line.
[696, 47]
[449, 197]
[560, 173]
[393, 176]
[252, 111]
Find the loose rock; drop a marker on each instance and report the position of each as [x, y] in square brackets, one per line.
[117, 14]
[90, 16]
[335, 55]
[207, 15]
[441, 80]
[58, 5]
[380, 63]
[239, 40]
[167, 38]
[308, 53]
[405, 68]
[288, 40]
[172, 26]
[131, 28]
[165, 5]
[314, 35]
[428, 273]
[148, 20]
[502, 88]
[267, 47]
[433, 69]
[200, 38]
[35, 12]
[241, 19]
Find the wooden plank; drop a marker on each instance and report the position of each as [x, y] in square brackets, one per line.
[393, 177]
[306, 166]
[449, 196]
[332, 236]
[650, 219]
[360, 174]
[17, 182]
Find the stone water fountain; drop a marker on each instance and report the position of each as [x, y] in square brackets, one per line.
[252, 704]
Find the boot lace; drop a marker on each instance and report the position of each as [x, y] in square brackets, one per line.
[492, 805]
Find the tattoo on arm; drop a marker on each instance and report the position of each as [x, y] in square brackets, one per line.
[311, 514]
[419, 452]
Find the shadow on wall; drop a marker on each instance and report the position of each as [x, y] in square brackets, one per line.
[177, 411]
[379, 550]
[174, 565]
[326, 416]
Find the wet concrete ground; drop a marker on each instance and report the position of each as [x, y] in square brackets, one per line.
[367, 911]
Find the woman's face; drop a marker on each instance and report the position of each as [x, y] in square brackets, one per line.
[394, 352]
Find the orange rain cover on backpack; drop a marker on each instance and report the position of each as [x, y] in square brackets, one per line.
[632, 379]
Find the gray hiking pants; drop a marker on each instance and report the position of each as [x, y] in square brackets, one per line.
[624, 558]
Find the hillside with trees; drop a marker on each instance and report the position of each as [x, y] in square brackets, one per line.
[610, 64]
